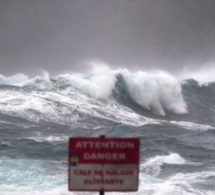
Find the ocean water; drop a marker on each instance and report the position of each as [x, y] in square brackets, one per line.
[174, 119]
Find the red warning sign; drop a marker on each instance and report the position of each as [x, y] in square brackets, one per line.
[109, 164]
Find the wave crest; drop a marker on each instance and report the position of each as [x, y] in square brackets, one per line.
[13, 80]
[156, 92]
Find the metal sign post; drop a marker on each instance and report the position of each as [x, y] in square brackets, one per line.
[101, 192]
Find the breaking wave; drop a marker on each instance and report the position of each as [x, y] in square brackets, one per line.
[157, 92]
[119, 96]
[153, 165]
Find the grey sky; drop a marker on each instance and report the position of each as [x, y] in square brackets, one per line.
[61, 35]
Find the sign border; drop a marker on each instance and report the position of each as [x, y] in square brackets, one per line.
[96, 190]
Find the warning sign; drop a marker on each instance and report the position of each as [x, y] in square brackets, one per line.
[109, 164]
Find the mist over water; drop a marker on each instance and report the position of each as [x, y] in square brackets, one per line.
[203, 75]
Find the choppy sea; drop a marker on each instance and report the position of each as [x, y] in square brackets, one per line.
[175, 121]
